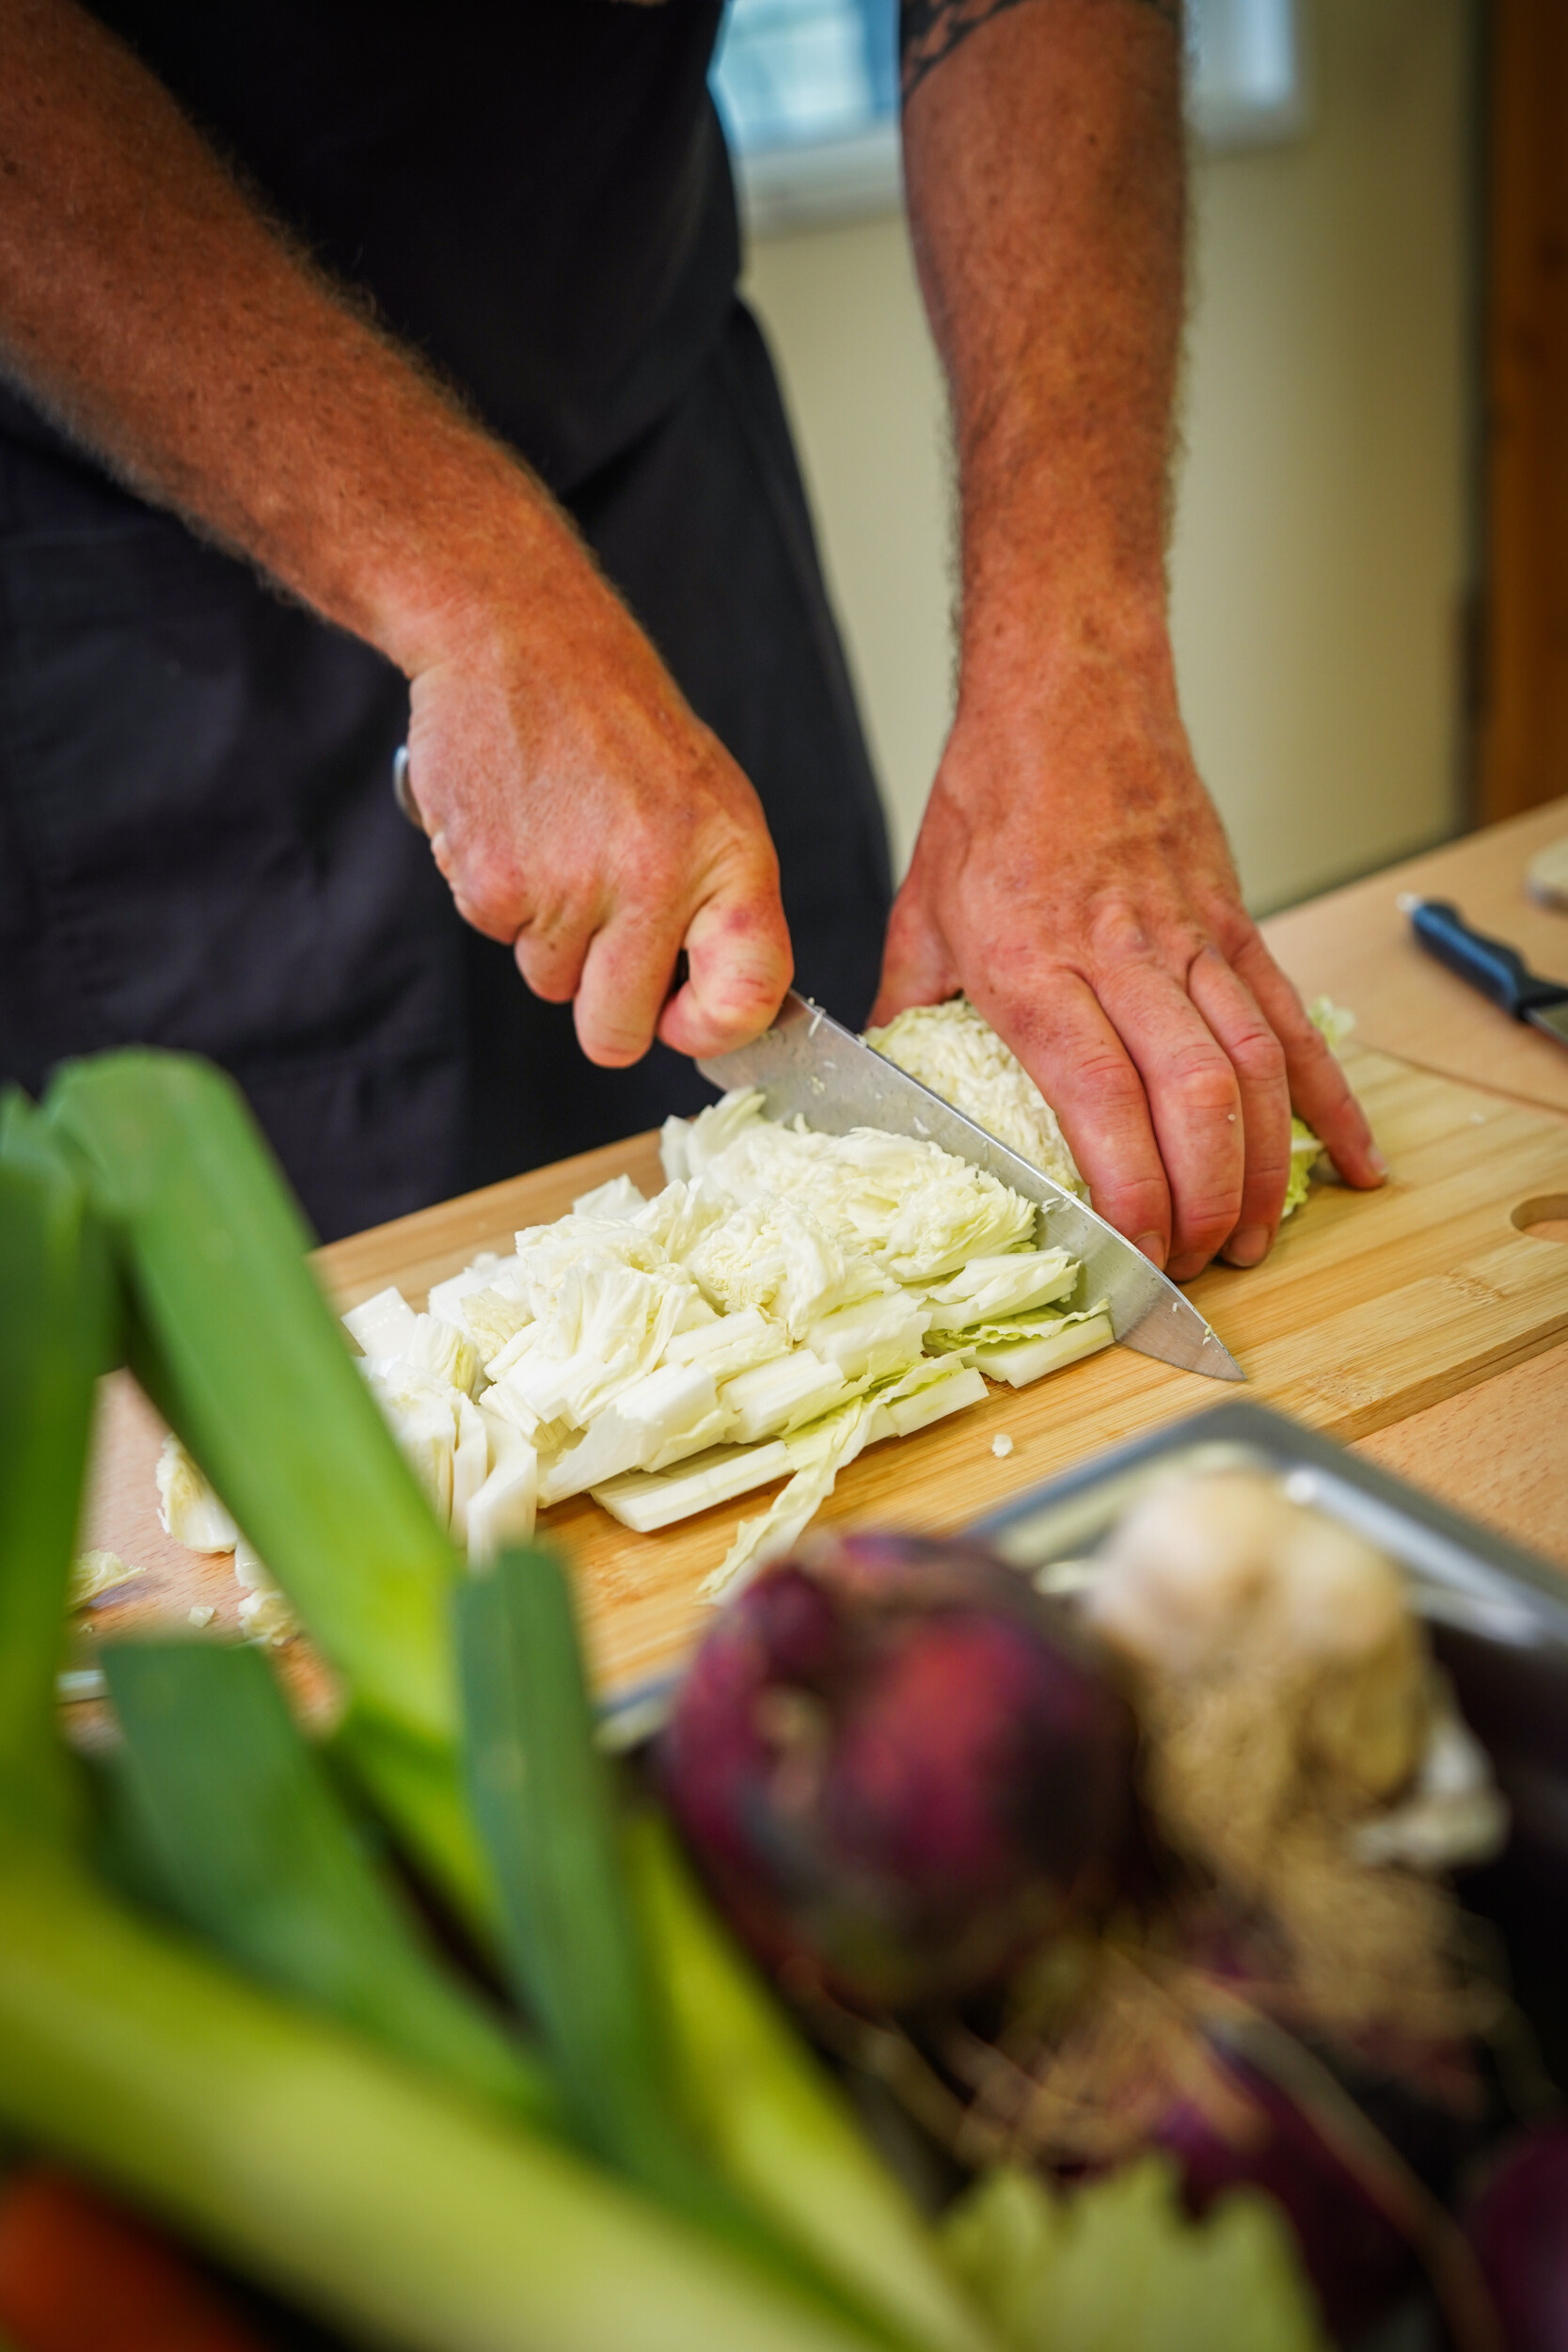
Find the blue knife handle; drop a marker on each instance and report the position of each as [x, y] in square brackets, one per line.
[1490, 965]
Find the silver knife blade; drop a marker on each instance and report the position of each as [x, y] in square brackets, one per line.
[1551, 1020]
[807, 1063]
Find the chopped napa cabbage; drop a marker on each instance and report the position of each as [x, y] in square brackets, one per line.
[911, 1406]
[603, 1325]
[471, 1463]
[449, 1299]
[787, 1299]
[1019, 1362]
[1335, 1024]
[645, 1501]
[421, 1413]
[268, 1616]
[620, 1200]
[503, 1510]
[916, 1211]
[546, 1252]
[1305, 1152]
[385, 1325]
[187, 1508]
[989, 1288]
[391, 1333]
[726, 1344]
[267, 1613]
[494, 1317]
[954, 1050]
[776, 1256]
[820, 1452]
[1116, 2265]
[643, 1422]
[95, 1573]
[772, 1399]
[872, 1338]
[680, 1214]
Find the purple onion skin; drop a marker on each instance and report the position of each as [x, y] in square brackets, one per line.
[1518, 2226]
[897, 1768]
[1361, 2263]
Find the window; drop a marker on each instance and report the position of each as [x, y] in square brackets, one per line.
[809, 93]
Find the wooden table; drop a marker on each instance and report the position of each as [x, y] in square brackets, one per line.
[1500, 1451]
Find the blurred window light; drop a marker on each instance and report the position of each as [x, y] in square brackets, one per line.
[1244, 84]
[808, 90]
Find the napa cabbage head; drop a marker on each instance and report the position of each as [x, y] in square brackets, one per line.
[954, 1050]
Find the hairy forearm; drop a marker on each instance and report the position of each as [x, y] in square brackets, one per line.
[147, 304]
[1043, 153]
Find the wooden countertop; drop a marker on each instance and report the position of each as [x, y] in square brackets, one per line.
[1421, 1325]
[1500, 1450]
[1353, 945]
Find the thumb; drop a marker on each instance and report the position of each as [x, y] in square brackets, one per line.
[917, 966]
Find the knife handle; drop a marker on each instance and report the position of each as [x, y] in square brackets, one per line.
[1490, 965]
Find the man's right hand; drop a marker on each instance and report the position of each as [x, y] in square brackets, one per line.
[579, 809]
[574, 802]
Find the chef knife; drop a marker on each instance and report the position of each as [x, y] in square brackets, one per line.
[808, 1063]
[1490, 965]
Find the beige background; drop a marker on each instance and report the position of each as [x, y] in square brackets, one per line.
[1319, 554]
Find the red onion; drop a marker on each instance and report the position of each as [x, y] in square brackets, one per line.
[1361, 2262]
[1519, 2228]
[898, 1766]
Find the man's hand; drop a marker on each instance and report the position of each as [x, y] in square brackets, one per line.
[574, 802]
[1100, 932]
[578, 808]
[1071, 873]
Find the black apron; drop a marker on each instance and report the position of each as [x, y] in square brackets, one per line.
[198, 842]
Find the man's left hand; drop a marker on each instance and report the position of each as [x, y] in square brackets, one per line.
[1072, 877]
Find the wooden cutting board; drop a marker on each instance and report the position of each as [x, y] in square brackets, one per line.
[1372, 1307]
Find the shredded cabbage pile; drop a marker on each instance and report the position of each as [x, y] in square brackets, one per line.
[787, 1299]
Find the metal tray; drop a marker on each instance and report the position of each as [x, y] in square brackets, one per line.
[1499, 1619]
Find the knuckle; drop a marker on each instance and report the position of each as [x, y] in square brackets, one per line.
[1203, 1226]
[1201, 1074]
[1117, 933]
[1258, 1055]
[1136, 1204]
[1109, 1080]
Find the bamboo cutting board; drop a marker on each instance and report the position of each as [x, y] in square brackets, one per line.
[1372, 1307]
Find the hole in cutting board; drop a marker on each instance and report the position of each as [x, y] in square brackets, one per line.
[1545, 1219]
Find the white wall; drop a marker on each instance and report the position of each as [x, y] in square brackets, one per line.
[1318, 565]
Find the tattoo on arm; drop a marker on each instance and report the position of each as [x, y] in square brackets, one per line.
[928, 30]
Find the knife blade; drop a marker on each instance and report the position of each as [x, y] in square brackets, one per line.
[1491, 965]
[807, 1063]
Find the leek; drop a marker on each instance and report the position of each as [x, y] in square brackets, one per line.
[57, 1282]
[769, 2114]
[544, 1801]
[395, 2208]
[237, 1825]
[237, 1347]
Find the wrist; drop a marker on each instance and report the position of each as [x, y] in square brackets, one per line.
[1039, 633]
[461, 564]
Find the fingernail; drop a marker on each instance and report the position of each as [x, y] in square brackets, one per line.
[1152, 1246]
[1379, 1163]
[1247, 1246]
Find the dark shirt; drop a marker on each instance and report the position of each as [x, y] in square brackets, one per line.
[537, 195]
